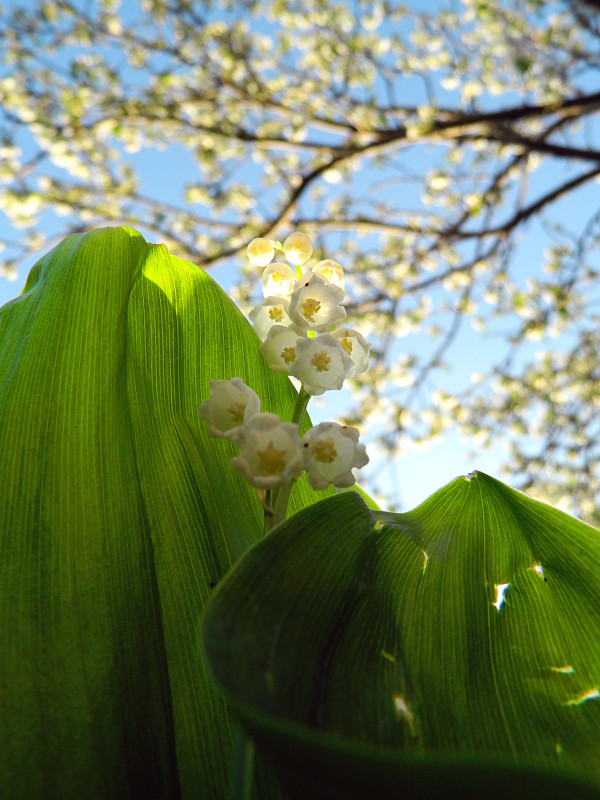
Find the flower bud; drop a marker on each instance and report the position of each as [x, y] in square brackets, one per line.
[260, 252]
[298, 248]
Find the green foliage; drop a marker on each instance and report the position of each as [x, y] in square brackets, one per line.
[119, 515]
[380, 661]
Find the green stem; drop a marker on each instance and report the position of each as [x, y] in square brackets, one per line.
[279, 506]
[281, 495]
[301, 403]
[242, 767]
[267, 502]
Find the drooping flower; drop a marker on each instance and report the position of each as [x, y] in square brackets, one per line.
[321, 363]
[298, 248]
[314, 304]
[270, 451]
[331, 451]
[271, 311]
[279, 348]
[278, 280]
[230, 405]
[357, 347]
[260, 252]
[332, 271]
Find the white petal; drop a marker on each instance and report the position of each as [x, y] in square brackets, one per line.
[230, 405]
[331, 451]
[270, 451]
[315, 303]
[279, 348]
[321, 364]
[271, 311]
[278, 280]
[357, 347]
[332, 271]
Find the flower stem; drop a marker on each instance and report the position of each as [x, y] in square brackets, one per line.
[301, 403]
[242, 767]
[279, 498]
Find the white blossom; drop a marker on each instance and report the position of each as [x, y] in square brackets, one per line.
[298, 248]
[314, 304]
[332, 271]
[321, 363]
[357, 347]
[331, 451]
[271, 311]
[279, 348]
[270, 451]
[260, 252]
[278, 280]
[230, 405]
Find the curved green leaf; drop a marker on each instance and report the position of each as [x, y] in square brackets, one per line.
[383, 657]
[119, 514]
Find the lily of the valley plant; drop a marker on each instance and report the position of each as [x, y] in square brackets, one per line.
[297, 323]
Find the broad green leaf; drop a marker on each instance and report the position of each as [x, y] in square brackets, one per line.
[381, 662]
[119, 514]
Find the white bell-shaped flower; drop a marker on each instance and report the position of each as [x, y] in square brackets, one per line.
[271, 311]
[230, 405]
[331, 451]
[279, 348]
[298, 248]
[315, 303]
[260, 252]
[278, 280]
[270, 451]
[357, 347]
[321, 363]
[332, 271]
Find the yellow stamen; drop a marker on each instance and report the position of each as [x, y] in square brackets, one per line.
[321, 362]
[236, 411]
[276, 313]
[347, 345]
[310, 308]
[288, 354]
[324, 451]
[271, 460]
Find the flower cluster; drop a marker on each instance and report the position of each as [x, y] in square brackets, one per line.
[271, 451]
[298, 311]
[296, 322]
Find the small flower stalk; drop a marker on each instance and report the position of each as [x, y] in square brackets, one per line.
[296, 322]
